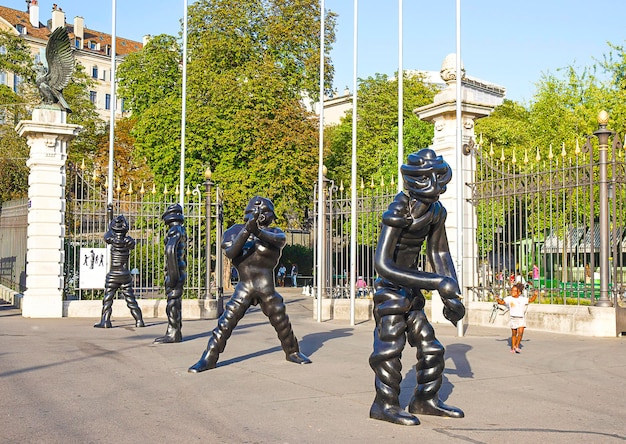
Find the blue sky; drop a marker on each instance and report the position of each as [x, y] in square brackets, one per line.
[506, 42]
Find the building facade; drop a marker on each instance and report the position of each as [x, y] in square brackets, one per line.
[92, 49]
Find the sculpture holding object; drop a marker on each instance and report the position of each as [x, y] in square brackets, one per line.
[411, 219]
[119, 277]
[255, 249]
[175, 273]
[61, 64]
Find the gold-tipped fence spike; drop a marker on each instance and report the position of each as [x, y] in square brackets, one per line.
[94, 176]
[491, 153]
[341, 186]
[118, 188]
[563, 152]
[382, 182]
[106, 182]
[502, 158]
[538, 156]
[130, 188]
[550, 153]
[525, 155]
[514, 159]
[165, 189]
[372, 184]
[82, 165]
[577, 149]
[188, 192]
[362, 184]
[153, 188]
[177, 191]
[393, 181]
[143, 189]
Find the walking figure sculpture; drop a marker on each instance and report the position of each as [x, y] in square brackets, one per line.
[175, 272]
[119, 276]
[409, 221]
[255, 249]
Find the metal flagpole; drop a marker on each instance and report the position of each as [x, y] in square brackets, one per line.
[400, 99]
[353, 168]
[320, 174]
[459, 161]
[183, 111]
[113, 106]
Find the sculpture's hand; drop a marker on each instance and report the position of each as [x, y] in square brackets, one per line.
[449, 289]
[252, 224]
[453, 310]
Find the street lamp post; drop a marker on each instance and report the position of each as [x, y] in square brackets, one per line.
[208, 184]
[603, 145]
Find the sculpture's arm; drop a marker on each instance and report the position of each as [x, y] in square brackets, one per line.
[272, 236]
[171, 255]
[234, 240]
[387, 267]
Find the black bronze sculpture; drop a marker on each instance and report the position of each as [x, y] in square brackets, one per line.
[119, 276]
[255, 250]
[60, 59]
[398, 301]
[175, 272]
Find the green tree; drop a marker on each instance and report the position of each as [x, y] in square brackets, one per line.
[377, 128]
[250, 64]
[148, 76]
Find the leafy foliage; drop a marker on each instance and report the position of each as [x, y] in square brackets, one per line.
[250, 62]
[377, 128]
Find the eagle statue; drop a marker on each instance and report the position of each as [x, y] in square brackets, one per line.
[53, 80]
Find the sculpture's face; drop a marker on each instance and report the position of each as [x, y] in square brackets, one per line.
[119, 225]
[426, 176]
[264, 207]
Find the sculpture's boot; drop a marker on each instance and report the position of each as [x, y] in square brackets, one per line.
[390, 411]
[233, 312]
[274, 308]
[107, 309]
[429, 369]
[174, 323]
[207, 361]
[136, 313]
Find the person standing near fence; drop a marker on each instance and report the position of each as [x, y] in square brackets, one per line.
[294, 275]
[517, 303]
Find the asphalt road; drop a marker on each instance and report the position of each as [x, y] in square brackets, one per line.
[63, 381]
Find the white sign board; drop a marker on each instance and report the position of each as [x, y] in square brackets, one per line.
[93, 268]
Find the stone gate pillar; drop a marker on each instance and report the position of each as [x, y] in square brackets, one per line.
[478, 100]
[47, 135]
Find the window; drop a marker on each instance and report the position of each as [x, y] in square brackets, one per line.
[94, 72]
[3, 50]
[107, 50]
[92, 45]
[107, 101]
[3, 78]
[103, 76]
[16, 82]
[92, 97]
[20, 28]
[122, 105]
[78, 43]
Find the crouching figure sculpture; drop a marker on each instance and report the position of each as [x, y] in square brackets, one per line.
[255, 249]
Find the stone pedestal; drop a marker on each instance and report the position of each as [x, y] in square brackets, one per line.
[47, 135]
[478, 99]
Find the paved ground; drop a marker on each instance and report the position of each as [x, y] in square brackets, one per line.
[62, 381]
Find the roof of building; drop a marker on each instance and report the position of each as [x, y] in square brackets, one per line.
[123, 46]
